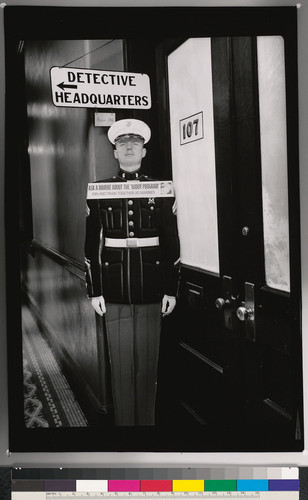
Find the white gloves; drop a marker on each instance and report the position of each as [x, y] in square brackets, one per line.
[99, 305]
[168, 304]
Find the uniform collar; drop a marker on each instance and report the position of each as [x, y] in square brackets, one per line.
[129, 176]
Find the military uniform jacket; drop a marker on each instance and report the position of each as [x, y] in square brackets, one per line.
[132, 274]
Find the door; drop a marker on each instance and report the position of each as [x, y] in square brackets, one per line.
[234, 165]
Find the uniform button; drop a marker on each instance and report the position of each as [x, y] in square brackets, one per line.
[130, 212]
[130, 202]
[157, 262]
[106, 263]
[109, 208]
[131, 234]
[151, 207]
[131, 223]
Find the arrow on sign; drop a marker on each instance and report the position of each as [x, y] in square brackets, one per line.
[66, 86]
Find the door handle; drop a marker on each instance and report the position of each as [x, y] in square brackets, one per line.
[243, 313]
[226, 303]
[220, 303]
[246, 312]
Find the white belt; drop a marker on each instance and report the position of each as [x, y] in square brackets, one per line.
[132, 242]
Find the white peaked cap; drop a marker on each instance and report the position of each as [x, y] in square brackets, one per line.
[130, 126]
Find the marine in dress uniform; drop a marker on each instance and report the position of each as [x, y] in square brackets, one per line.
[132, 269]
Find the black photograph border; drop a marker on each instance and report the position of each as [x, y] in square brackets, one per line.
[69, 23]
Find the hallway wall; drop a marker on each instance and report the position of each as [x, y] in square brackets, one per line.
[66, 151]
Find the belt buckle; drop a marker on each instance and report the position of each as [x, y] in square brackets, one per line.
[132, 242]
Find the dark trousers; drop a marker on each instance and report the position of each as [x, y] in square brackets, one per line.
[133, 333]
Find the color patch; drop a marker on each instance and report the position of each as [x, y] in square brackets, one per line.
[283, 485]
[252, 485]
[124, 485]
[27, 485]
[91, 485]
[184, 485]
[288, 473]
[154, 485]
[220, 485]
[59, 485]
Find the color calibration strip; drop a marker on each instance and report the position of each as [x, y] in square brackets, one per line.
[157, 473]
[175, 486]
[108, 488]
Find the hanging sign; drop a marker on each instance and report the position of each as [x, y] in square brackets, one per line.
[91, 88]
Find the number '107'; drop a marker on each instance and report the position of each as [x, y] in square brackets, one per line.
[190, 128]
